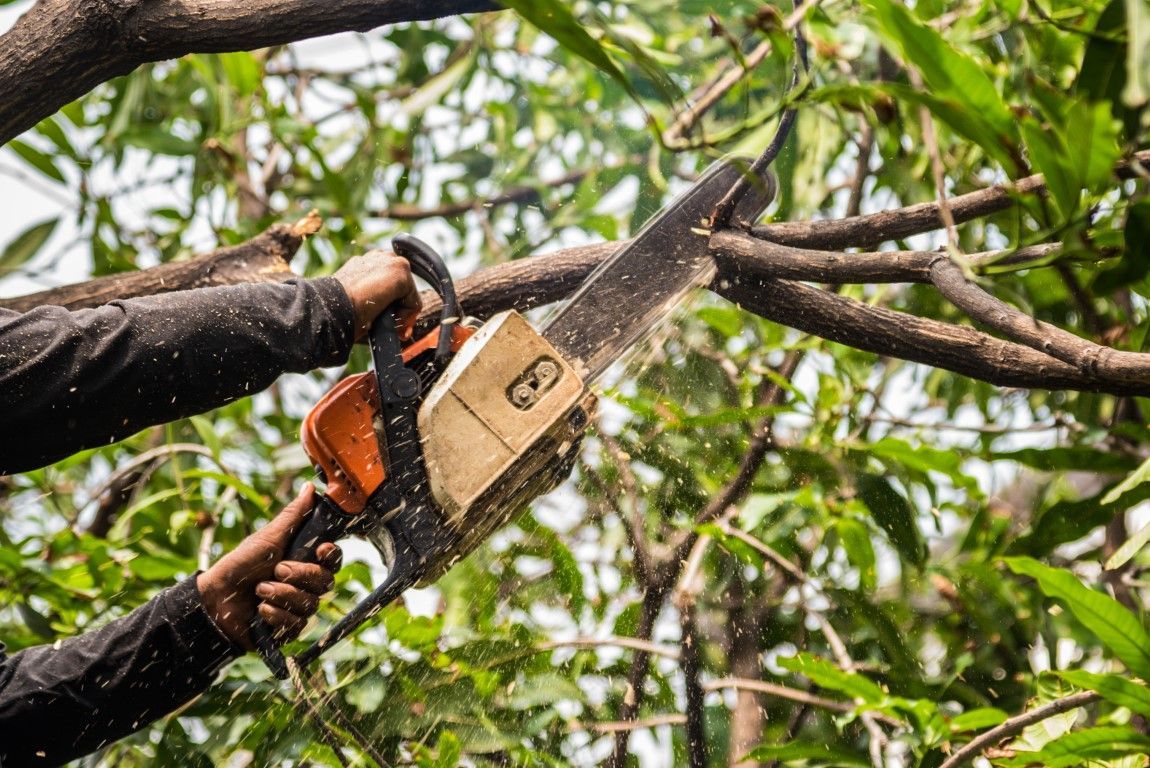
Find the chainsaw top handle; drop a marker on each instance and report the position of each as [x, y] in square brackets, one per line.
[427, 264]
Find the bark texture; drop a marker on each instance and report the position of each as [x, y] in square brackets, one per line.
[61, 49]
[264, 258]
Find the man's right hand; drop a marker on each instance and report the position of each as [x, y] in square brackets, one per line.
[375, 281]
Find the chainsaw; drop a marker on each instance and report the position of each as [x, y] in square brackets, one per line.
[451, 435]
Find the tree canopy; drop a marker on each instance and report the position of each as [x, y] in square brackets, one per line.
[876, 498]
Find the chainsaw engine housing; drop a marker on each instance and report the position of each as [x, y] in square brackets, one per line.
[500, 426]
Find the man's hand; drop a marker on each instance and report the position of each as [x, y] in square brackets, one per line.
[375, 281]
[252, 577]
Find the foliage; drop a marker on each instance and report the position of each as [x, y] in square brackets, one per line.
[895, 491]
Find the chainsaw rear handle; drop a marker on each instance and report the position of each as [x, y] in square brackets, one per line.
[326, 522]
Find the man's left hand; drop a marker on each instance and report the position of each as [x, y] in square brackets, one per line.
[255, 577]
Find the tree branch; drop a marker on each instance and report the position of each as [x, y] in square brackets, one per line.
[1018, 724]
[61, 49]
[877, 228]
[264, 258]
[809, 265]
[1132, 368]
[790, 694]
[952, 347]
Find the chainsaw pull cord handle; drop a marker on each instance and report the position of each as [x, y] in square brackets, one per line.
[398, 387]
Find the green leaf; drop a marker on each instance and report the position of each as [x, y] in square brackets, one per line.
[207, 432]
[242, 70]
[821, 754]
[1103, 73]
[977, 719]
[1049, 156]
[554, 18]
[1092, 132]
[1134, 264]
[949, 73]
[1131, 547]
[1077, 458]
[922, 458]
[37, 159]
[36, 621]
[1136, 478]
[1079, 747]
[1070, 520]
[894, 515]
[155, 568]
[856, 542]
[434, 89]
[26, 244]
[825, 674]
[158, 140]
[1114, 688]
[1115, 626]
[242, 488]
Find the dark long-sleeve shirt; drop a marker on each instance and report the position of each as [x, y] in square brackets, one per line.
[61, 701]
[78, 379]
[74, 380]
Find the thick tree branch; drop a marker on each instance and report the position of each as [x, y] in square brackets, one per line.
[264, 258]
[952, 347]
[61, 49]
[1091, 359]
[789, 263]
[877, 228]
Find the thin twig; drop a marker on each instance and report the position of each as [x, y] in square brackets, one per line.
[620, 726]
[843, 658]
[1016, 725]
[790, 694]
[721, 217]
[675, 137]
[613, 641]
[773, 555]
[930, 143]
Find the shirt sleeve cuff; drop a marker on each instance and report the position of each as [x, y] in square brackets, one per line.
[205, 646]
[339, 308]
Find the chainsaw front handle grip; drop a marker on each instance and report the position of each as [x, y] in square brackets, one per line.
[428, 264]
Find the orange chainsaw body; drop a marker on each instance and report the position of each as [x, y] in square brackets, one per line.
[339, 433]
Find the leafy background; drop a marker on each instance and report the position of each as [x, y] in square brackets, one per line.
[947, 538]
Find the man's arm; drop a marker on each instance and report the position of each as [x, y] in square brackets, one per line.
[77, 379]
[61, 701]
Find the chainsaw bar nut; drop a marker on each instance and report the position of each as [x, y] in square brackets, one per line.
[534, 383]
